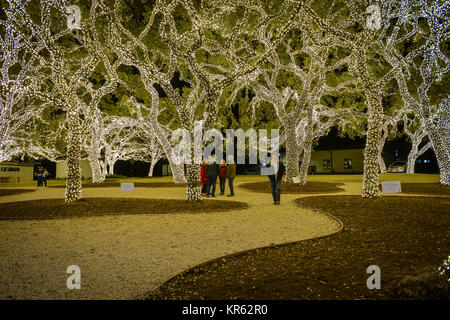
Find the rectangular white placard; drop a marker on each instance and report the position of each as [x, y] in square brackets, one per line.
[391, 186]
[296, 180]
[127, 187]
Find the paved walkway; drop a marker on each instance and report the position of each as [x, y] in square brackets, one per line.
[122, 257]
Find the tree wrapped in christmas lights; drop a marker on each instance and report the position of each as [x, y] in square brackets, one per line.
[17, 105]
[67, 55]
[147, 119]
[349, 25]
[306, 68]
[416, 133]
[374, 30]
[412, 41]
[207, 44]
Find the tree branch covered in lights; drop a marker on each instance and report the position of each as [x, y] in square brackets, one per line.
[307, 68]
[147, 119]
[66, 59]
[362, 26]
[16, 106]
[416, 132]
[122, 141]
[389, 128]
[190, 59]
[425, 27]
[210, 44]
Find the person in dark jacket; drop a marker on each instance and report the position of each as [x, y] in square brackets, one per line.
[231, 174]
[40, 176]
[212, 170]
[275, 179]
[222, 176]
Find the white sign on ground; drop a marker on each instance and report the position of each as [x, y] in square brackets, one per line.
[391, 187]
[127, 187]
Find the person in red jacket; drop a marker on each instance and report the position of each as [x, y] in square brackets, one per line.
[222, 176]
[203, 177]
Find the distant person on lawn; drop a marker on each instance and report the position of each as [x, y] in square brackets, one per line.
[231, 174]
[45, 176]
[212, 170]
[40, 176]
[203, 177]
[275, 179]
[222, 176]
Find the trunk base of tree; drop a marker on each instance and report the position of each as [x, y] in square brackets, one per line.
[193, 190]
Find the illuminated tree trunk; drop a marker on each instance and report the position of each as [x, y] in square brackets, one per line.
[4, 130]
[193, 190]
[305, 162]
[103, 167]
[307, 149]
[381, 163]
[370, 187]
[152, 166]
[98, 174]
[109, 161]
[441, 147]
[110, 166]
[73, 182]
[177, 169]
[292, 153]
[412, 156]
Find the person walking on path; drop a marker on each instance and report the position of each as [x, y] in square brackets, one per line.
[275, 179]
[231, 174]
[212, 170]
[222, 176]
[203, 177]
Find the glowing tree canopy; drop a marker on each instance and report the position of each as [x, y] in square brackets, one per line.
[17, 105]
[307, 68]
[209, 44]
[424, 24]
[67, 56]
[416, 132]
[372, 28]
[189, 56]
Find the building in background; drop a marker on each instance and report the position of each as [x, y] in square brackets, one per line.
[61, 170]
[16, 172]
[337, 160]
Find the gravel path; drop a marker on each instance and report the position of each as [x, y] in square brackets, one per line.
[122, 257]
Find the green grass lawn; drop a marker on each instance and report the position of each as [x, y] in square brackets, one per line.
[343, 178]
[402, 177]
[335, 178]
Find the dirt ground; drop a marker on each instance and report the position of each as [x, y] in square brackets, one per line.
[123, 257]
[401, 235]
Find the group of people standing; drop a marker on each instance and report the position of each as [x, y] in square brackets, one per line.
[41, 176]
[210, 170]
